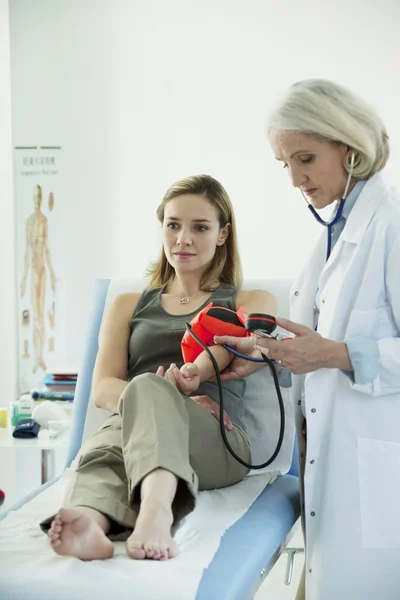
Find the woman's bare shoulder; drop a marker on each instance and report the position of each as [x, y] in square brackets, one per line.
[257, 301]
[123, 305]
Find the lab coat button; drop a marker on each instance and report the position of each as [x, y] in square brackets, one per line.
[312, 462]
[323, 301]
[298, 402]
[313, 410]
[296, 293]
[302, 455]
[312, 513]
[310, 570]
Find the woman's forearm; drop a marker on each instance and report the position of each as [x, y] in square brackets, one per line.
[107, 392]
[203, 361]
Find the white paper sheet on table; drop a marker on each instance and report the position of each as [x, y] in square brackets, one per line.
[31, 570]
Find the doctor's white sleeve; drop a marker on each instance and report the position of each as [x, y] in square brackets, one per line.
[376, 363]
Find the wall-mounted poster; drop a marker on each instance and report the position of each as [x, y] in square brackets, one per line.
[39, 220]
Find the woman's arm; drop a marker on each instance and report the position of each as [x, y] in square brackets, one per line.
[256, 301]
[253, 301]
[112, 358]
[189, 377]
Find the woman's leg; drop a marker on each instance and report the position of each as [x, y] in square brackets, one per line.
[155, 441]
[152, 537]
[171, 446]
[81, 532]
[96, 502]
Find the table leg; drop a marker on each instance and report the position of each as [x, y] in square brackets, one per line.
[48, 467]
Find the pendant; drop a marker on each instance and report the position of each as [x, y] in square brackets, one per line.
[184, 300]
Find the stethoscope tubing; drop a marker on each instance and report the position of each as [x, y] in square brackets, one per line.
[338, 214]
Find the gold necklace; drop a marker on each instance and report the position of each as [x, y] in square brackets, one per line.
[186, 299]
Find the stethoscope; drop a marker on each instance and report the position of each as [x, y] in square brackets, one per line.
[265, 359]
[270, 364]
[339, 211]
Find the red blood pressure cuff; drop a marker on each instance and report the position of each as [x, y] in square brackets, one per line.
[211, 321]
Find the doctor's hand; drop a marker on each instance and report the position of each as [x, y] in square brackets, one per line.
[240, 368]
[186, 379]
[308, 351]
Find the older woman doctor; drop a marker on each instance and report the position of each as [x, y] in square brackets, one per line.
[345, 354]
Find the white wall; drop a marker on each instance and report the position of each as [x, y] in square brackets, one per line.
[61, 87]
[142, 92]
[8, 356]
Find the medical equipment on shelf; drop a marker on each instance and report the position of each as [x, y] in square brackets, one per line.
[330, 224]
[218, 320]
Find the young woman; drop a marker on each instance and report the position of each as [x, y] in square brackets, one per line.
[140, 473]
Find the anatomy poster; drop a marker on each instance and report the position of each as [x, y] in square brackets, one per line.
[40, 253]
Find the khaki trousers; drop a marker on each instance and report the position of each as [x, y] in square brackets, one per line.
[156, 427]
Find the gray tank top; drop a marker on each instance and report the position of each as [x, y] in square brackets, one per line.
[156, 337]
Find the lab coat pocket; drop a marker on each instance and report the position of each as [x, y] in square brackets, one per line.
[376, 324]
[379, 479]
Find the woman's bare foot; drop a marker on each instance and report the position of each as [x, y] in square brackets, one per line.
[75, 532]
[151, 537]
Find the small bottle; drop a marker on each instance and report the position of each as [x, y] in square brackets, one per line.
[3, 417]
[14, 413]
[25, 407]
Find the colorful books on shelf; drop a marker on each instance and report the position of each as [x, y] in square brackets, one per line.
[58, 385]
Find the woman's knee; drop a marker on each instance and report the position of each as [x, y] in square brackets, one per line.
[150, 386]
[140, 380]
[144, 381]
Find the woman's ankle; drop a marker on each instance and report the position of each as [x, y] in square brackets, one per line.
[100, 518]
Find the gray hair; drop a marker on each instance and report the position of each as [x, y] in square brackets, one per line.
[329, 111]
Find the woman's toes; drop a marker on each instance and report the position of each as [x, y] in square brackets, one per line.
[55, 542]
[163, 552]
[149, 549]
[157, 552]
[135, 549]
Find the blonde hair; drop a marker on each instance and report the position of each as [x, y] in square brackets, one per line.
[225, 266]
[331, 112]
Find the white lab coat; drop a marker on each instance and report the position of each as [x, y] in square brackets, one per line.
[352, 463]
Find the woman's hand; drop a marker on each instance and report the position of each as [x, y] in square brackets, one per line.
[308, 351]
[240, 368]
[214, 409]
[186, 379]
